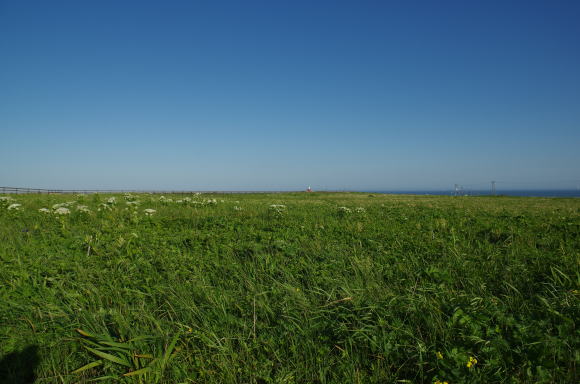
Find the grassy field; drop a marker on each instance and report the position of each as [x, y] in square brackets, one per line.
[289, 288]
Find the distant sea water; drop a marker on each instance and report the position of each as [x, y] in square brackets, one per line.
[514, 192]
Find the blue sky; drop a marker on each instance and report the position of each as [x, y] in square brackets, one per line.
[285, 94]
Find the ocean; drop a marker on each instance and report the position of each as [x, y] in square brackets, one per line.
[514, 192]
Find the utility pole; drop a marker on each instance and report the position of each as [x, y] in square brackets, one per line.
[493, 188]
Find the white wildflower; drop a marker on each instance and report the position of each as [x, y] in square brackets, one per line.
[44, 210]
[4, 200]
[66, 204]
[62, 211]
[129, 197]
[14, 207]
[132, 203]
[236, 208]
[111, 200]
[344, 210]
[165, 200]
[83, 208]
[185, 200]
[104, 207]
[360, 210]
[149, 211]
[279, 209]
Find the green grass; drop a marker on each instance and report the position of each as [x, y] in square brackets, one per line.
[406, 291]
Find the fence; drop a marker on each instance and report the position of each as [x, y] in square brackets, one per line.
[17, 190]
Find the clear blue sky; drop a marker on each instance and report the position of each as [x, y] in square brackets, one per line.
[285, 94]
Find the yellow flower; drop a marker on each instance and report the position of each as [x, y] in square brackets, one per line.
[472, 361]
[441, 382]
[439, 355]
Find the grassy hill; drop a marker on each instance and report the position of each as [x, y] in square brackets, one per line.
[289, 288]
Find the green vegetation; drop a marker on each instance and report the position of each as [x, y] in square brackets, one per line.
[413, 289]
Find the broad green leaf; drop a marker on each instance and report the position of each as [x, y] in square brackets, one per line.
[107, 356]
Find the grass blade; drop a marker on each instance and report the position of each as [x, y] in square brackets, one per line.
[137, 372]
[88, 366]
[83, 333]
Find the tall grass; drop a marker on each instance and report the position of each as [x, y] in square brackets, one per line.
[410, 289]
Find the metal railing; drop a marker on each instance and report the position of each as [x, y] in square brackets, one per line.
[19, 190]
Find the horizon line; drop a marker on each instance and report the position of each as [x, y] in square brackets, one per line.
[27, 190]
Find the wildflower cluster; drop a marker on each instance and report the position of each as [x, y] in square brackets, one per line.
[472, 362]
[164, 200]
[344, 210]
[131, 202]
[187, 200]
[62, 211]
[104, 207]
[108, 205]
[5, 200]
[68, 204]
[277, 209]
[14, 207]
